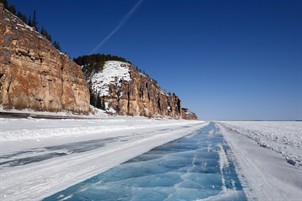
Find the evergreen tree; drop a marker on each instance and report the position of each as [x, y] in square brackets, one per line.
[34, 22]
[103, 104]
[95, 62]
[4, 2]
[99, 102]
[48, 37]
[92, 99]
[29, 22]
[95, 100]
[12, 9]
[56, 44]
[45, 33]
[22, 17]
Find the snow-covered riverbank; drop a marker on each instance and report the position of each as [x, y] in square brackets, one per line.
[268, 156]
[40, 157]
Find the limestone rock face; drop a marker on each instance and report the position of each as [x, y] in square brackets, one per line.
[126, 91]
[187, 114]
[34, 74]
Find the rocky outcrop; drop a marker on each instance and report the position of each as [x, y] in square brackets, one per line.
[126, 91]
[34, 74]
[187, 114]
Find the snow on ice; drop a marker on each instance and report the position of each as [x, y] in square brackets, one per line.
[285, 138]
[183, 169]
[40, 157]
[268, 156]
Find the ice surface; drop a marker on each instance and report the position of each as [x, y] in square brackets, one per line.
[185, 169]
[39, 157]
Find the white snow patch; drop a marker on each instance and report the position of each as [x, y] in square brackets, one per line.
[223, 159]
[111, 110]
[223, 163]
[113, 73]
[263, 170]
[95, 113]
[106, 105]
[20, 25]
[285, 138]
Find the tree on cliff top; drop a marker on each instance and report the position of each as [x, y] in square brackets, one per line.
[5, 4]
[97, 59]
[46, 34]
[95, 62]
[12, 9]
[22, 17]
[56, 44]
[30, 21]
[34, 22]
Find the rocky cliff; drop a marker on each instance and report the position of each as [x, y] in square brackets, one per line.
[126, 91]
[187, 114]
[34, 74]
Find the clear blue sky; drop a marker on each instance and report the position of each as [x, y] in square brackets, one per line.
[226, 59]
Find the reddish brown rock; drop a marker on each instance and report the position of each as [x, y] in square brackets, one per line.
[126, 91]
[187, 114]
[34, 74]
[142, 96]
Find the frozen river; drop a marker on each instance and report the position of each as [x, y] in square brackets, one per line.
[126, 158]
[195, 167]
[39, 157]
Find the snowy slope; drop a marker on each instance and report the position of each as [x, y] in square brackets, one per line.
[268, 156]
[113, 73]
[39, 157]
[285, 138]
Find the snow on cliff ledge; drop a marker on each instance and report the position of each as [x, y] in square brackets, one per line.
[113, 73]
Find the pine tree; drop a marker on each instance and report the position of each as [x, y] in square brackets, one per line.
[29, 22]
[45, 33]
[103, 107]
[12, 9]
[99, 102]
[92, 99]
[48, 37]
[22, 17]
[4, 2]
[34, 21]
[56, 44]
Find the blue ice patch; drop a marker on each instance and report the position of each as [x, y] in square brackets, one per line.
[195, 167]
